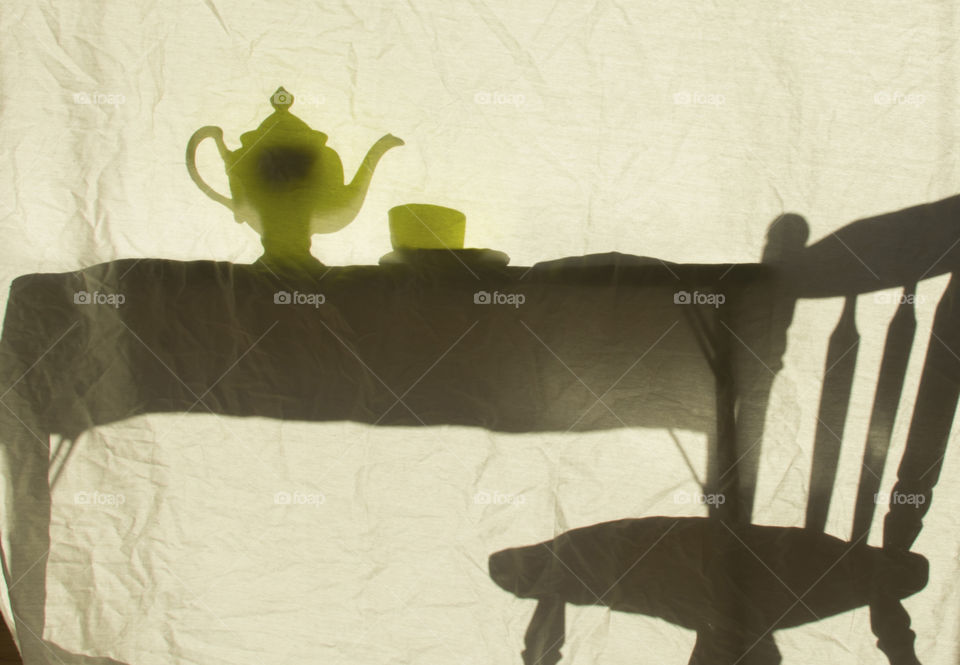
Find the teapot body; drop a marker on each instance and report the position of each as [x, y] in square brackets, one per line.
[285, 182]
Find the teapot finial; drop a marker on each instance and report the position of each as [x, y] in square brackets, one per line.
[281, 99]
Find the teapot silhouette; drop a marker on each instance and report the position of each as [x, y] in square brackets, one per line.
[286, 183]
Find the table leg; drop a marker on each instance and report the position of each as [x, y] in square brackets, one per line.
[25, 502]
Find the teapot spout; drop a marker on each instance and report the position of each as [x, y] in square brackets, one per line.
[342, 203]
[357, 189]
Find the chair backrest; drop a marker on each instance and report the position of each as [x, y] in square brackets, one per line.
[932, 418]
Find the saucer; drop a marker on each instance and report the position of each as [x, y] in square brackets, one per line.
[446, 257]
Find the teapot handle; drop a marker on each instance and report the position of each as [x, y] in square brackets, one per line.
[208, 132]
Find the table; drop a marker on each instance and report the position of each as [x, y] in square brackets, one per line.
[585, 343]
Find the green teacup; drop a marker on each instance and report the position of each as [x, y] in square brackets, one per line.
[425, 226]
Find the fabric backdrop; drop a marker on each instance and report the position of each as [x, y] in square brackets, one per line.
[675, 130]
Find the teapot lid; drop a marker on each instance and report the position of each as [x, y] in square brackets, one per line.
[282, 123]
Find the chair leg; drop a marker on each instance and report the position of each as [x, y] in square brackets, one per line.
[891, 624]
[545, 633]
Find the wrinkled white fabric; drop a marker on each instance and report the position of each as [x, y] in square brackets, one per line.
[677, 131]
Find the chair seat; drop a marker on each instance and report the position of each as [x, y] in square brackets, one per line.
[708, 575]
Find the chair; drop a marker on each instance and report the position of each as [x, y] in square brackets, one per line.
[755, 579]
